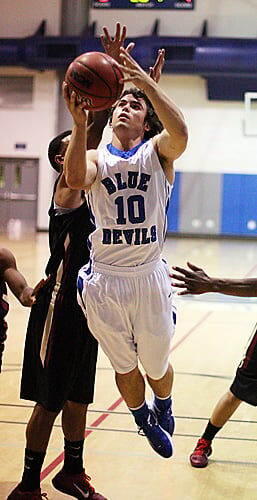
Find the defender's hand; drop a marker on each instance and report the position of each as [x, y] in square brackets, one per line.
[156, 70]
[112, 45]
[194, 281]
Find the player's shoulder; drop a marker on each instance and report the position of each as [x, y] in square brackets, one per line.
[7, 259]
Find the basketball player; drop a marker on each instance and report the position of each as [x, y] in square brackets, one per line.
[60, 353]
[11, 276]
[125, 289]
[244, 386]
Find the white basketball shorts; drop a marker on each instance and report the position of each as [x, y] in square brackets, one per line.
[130, 312]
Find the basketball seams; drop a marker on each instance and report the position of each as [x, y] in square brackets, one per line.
[96, 74]
[115, 74]
[78, 89]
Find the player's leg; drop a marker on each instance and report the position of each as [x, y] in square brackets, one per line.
[153, 334]
[162, 403]
[243, 388]
[132, 388]
[33, 388]
[74, 425]
[222, 412]
[38, 432]
[110, 320]
[71, 479]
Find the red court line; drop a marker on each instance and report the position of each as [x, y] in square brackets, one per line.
[191, 330]
[104, 415]
[96, 423]
[251, 271]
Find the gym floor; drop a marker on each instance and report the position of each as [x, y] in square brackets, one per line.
[211, 333]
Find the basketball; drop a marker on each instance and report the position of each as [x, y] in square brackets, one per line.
[95, 76]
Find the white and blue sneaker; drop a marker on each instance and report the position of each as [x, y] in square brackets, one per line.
[165, 418]
[158, 438]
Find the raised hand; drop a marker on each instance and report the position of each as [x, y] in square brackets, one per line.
[133, 71]
[75, 105]
[112, 45]
[194, 281]
[156, 70]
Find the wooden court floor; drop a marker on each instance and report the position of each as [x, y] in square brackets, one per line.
[211, 333]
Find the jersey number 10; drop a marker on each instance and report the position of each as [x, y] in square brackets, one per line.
[136, 209]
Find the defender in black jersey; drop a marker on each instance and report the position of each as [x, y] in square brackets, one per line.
[60, 353]
[10, 275]
[244, 386]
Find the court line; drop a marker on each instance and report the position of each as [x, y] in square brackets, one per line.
[92, 428]
[251, 271]
[104, 415]
[45, 472]
[126, 413]
[191, 330]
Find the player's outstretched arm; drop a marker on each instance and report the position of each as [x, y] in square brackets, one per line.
[112, 46]
[79, 171]
[196, 281]
[171, 142]
[97, 120]
[14, 279]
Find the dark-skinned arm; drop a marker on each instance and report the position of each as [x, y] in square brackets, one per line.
[196, 281]
[14, 279]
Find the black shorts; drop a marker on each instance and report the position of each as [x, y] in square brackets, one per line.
[60, 353]
[244, 385]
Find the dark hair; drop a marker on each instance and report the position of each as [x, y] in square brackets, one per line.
[151, 117]
[54, 148]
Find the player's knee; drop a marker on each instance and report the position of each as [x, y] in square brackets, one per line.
[41, 413]
[156, 372]
[75, 409]
[232, 399]
[128, 377]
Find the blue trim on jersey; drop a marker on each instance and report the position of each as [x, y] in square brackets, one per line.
[168, 195]
[80, 286]
[91, 215]
[124, 154]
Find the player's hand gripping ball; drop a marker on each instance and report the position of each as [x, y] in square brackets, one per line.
[95, 77]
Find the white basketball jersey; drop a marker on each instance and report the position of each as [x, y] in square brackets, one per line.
[129, 201]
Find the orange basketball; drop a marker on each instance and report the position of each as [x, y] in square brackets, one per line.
[95, 76]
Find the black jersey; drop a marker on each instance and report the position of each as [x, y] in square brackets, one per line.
[68, 235]
[60, 352]
[4, 308]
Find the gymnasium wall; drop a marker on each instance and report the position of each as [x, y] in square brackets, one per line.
[217, 145]
[32, 125]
